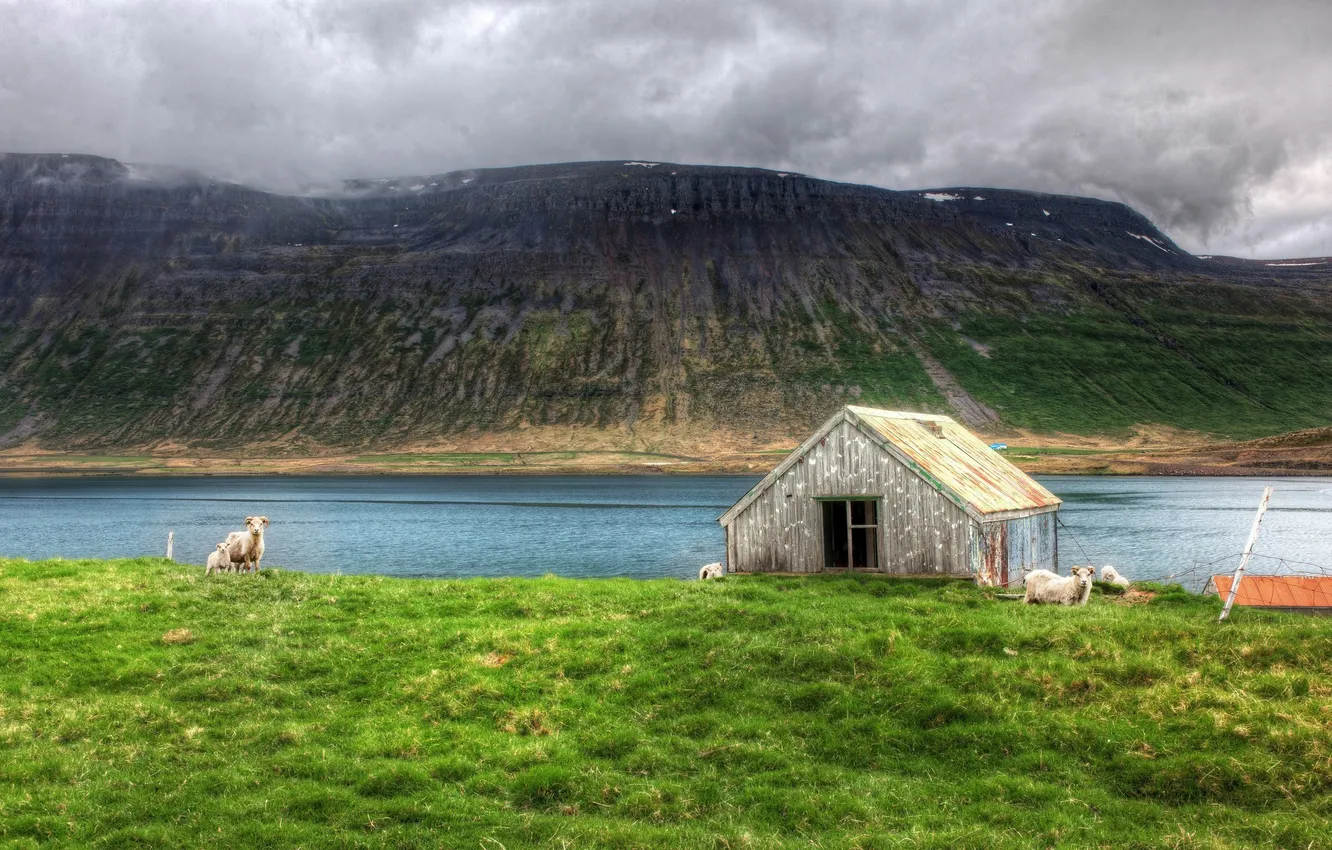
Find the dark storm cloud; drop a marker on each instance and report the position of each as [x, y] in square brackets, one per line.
[1214, 118]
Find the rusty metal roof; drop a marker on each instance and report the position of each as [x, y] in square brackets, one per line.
[956, 461]
[1278, 591]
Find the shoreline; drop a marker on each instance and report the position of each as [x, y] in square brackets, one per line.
[547, 450]
[1203, 461]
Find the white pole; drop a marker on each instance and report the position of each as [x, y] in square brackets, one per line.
[171, 536]
[1244, 559]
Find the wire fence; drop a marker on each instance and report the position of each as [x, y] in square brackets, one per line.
[1196, 574]
[1268, 581]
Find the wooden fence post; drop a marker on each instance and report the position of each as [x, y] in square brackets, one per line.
[171, 539]
[1244, 559]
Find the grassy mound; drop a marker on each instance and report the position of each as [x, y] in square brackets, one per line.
[144, 705]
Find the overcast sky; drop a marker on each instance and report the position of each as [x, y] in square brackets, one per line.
[1212, 117]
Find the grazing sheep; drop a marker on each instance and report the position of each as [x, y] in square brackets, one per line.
[1045, 586]
[1111, 575]
[716, 570]
[218, 561]
[245, 548]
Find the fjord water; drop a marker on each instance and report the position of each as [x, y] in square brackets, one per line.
[646, 526]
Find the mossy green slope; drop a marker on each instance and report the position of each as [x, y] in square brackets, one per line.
[737, 302]
[1080, 353]
[1065, 351]
[836, 712]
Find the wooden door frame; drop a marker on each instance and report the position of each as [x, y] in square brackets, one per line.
[850, 538]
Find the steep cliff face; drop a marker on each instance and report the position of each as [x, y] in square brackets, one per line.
[143, 305]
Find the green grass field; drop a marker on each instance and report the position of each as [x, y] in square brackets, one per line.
[456, 458]
[829, 712]
[506, 458]
[1060, 451]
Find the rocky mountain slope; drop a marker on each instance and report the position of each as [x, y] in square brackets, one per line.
[143, 307]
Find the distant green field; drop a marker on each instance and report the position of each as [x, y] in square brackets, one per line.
[144, 705]
[104, 460]
[448, 457]
[1040, 451]
[515, 458]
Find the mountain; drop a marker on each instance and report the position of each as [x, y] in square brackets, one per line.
[142, 307]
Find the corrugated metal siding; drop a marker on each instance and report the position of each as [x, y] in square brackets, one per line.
[994, 555]
[958, 461]
[1012, 548]
[921, 531]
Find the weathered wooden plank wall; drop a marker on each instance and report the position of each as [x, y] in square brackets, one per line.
[922, 532]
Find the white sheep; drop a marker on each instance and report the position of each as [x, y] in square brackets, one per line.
[1045, 586]
[246, 547]
[1111, 575]
[716, 570]
[218, 560]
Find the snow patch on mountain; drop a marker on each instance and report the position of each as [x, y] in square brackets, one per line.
[1150, 241]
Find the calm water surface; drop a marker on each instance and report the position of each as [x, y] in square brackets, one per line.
[639, 526]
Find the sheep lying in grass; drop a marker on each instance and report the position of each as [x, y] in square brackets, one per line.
[1111, 575]
[716, 570]
[1045, 586]
[218, 560]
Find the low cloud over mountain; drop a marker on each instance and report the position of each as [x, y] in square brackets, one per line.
[1213, 118]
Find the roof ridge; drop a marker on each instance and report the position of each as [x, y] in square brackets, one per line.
[898, 414]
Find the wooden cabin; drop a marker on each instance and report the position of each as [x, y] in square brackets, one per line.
[899, 493]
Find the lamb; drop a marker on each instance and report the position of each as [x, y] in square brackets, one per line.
[716, 570]
[245, 548]
[218, 561]
[1045, 586]
[1111, 575]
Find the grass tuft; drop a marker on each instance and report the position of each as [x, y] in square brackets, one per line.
[178, 636]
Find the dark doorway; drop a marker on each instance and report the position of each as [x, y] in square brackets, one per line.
[836, 551]
[850, 534]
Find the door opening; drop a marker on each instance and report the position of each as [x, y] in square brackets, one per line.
[850, 534]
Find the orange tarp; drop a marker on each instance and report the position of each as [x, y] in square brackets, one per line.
[1278, 591]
